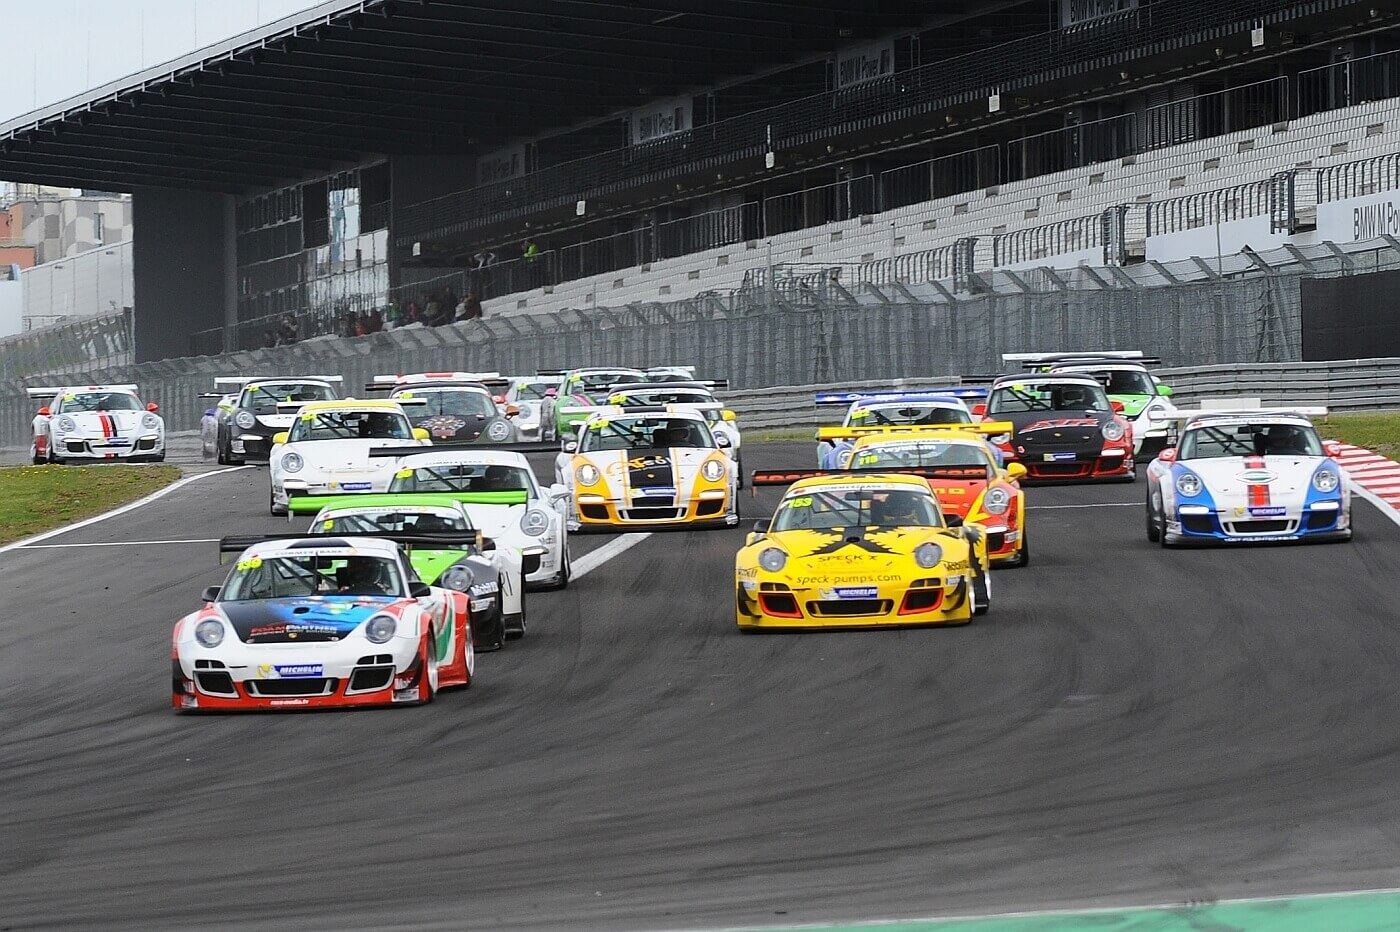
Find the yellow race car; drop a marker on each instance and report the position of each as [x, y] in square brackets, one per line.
[854, 551]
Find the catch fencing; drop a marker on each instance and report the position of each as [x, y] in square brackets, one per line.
[757, 340]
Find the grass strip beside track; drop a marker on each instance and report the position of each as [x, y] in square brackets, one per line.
[785, 433]
[1378, 431]
[34, 499]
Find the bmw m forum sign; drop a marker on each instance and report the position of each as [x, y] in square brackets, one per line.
[1359, 218]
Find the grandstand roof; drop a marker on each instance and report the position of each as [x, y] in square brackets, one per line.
[344, 80]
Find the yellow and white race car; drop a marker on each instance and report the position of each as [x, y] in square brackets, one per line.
[644, 467]
[854, 551]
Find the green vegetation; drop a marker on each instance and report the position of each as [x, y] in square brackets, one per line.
[1377, 430]
[34, 499]
[784, 433]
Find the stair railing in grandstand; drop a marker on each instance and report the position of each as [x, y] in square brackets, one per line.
[1348, 83]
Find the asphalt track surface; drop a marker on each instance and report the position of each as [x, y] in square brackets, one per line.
[1127, 725]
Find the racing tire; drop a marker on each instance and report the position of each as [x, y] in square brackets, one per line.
[1154, 531]
[429, 682]
[515, 624]
[272, 506]
[739, 466]
[565, 574]
[38, 460]
[495, 635]
[981, 593]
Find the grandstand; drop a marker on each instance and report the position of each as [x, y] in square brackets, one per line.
[394, 151]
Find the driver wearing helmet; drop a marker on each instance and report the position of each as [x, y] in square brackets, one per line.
[361, 576]
[896, 509]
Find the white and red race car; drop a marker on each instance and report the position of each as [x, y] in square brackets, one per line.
[317, 622]
[96, 422]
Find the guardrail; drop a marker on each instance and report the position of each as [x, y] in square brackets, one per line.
[1341, 385]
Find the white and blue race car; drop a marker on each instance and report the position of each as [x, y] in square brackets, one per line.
[1251, 474]
[892, 407]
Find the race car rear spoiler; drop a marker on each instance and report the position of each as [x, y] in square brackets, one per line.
[389, 383]
[52, 391]
[988, 428]
[245, 379]
[291, 407]
[539, 446]
[850, 397]
[1030, 360]
[720, 384]
[473, 542]
[789, 476]
[312, 504]
[552, 372]
[1244, 410]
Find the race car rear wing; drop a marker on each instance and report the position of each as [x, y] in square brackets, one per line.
[312, 504]
[789, 476]
[52, 391]
[704, 384]
[291, 407]
[1038, 360]
[471, 542]
[1233, 411]
[554, 373]
[988, 428]
[245, 379]
[389, 383]
[538, 446]
[850, 397]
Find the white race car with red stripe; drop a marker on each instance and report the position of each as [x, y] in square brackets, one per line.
[96, 422]
[1247, 475]
[320, 622]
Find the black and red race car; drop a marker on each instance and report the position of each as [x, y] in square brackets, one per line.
[1065, 428]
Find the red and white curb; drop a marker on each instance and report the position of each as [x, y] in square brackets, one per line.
[1373, 477]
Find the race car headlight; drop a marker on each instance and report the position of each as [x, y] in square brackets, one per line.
[209, 633]
[996, 501]
[772, 559]
[1189, 484]
[1113, 431]
[534, 522]
[292, 462]
[456, 577]
[588, 474]
[245, 420]
[380, 628]
[1325, 480]
[713, 470]
[150, 422]
[499, 430]
[928, 555]
[67, 424]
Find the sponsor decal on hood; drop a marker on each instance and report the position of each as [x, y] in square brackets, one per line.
[303, 620]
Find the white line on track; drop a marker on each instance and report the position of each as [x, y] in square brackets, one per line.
[1091, 505]
[595, 558]
[1382, 506]
[125, 509]
[124, 543]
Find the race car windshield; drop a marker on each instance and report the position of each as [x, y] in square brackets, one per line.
[658, 398]
[351, 425]
[599, 381]
[961, 457]
[100, 401]
[394, 522]
[848, 508]
[1047, 396]
[647, 434]
[532, 391]
[465, 477]
[459, 402]
[1211, 442]
[1125, 381]
[880, 415]
[264, 397]
[291, 577]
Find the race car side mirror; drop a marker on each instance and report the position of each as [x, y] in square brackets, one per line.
[419, 590]
[1117, 407]
[752, 538]
[1331, 448]
[152, 407]
[279, 438]
[570, 446]
[979, 410]
[211, 594]
[1168, 455]
[1015, 471]
[420, 433]
[1165, 390]
[728, 415]
[44, 412]
[760, 527]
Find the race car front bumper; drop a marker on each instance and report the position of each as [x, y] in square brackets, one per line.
[348, 673]
[149, 446]
[711, 508]
[252, 446]
[1199, 524]
[1107, 465]
[931, 601]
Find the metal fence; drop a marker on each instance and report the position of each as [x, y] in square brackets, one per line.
[764, 338]
[1207, 208]
[1347, 83]
[1216, 113]
[71, 346]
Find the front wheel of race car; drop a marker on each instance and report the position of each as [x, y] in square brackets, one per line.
[566, 571]
[981, 593]
[273, 507]
[1024, 558]
[515, 624]
[1154, 531]
[430, 668]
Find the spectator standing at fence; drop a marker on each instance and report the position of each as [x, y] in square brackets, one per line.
[430, 311]
[374, 321]
[529, 250]
[470, 308]
[392, 315]
[287, 330]
[269, 339]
